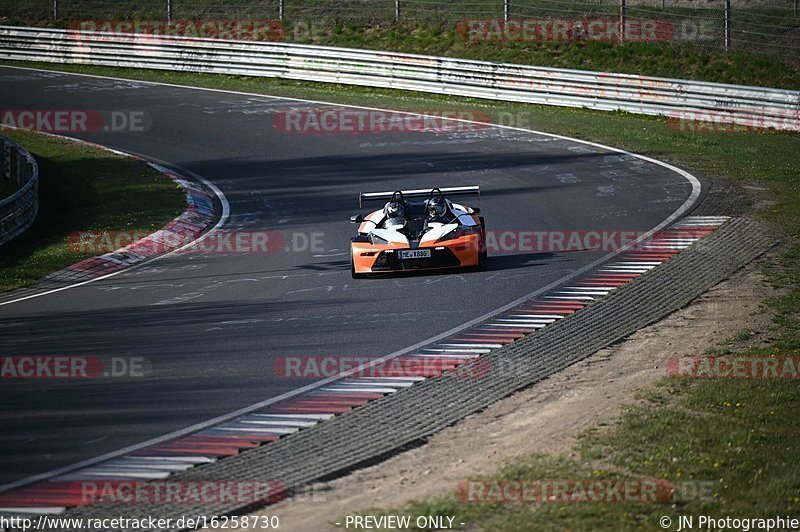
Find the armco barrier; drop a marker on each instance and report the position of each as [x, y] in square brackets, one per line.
[748, 106]
[18, 211]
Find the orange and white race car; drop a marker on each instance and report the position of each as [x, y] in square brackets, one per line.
[418, 230]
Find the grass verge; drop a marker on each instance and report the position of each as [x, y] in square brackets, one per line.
[727, 446]
[740, 436]
[83, 188]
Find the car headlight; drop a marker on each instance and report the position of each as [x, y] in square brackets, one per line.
[375, 239]
[455, 233]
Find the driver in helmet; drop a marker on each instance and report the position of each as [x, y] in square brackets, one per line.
[395, 213]
[437, 210]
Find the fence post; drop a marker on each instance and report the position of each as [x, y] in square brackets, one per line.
[727, 25]
[280, 10]
[507, 14]
[55, 9]
[23, 171]
[169, 10]
[22, 162]
[397, 10]
[13, 166]
[622, 19]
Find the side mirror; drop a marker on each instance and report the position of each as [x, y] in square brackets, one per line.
[356, 219]
[476, 210]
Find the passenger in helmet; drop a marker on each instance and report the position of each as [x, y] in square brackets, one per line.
[437, 210]
[395, 213]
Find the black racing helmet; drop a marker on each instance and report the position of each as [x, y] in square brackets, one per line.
[394, 209]
[437, 207]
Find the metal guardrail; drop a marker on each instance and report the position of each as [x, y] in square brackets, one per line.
[18, 211]
[680, 99]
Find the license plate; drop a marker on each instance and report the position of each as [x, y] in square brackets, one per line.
[415, 254]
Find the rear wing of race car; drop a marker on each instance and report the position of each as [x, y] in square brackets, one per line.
[364, 197]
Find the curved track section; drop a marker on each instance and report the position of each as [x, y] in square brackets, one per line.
[212, 325]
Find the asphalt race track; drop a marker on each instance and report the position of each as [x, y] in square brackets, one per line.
[211, 325]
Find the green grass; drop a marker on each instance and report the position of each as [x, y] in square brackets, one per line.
[728, 446]
[739, 436]
[83, 188]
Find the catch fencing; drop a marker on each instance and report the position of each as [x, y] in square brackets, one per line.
[751, 26]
